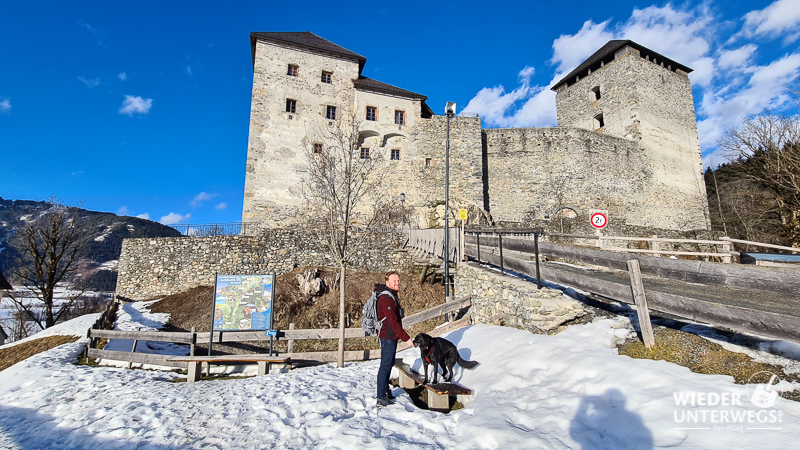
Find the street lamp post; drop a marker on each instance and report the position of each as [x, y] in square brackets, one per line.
[449, 110]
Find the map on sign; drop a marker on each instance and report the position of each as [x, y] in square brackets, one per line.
[244, 302]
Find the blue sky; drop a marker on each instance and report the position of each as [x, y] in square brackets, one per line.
[142, 108]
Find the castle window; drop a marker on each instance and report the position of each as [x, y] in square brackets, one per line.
[428, 161]
[598, 121]
[330, 112]
[291, 105]
[396, 155]
[364, 152]
[293, 70]
[596, 91]
[317, 147]
[327, 77]
[400, 117]
[372, 113]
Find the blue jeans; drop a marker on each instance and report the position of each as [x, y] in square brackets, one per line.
[388, 350]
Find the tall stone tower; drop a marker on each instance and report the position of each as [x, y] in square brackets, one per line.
[628, 91]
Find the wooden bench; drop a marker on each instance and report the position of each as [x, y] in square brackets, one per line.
[438, 394]
[194, 362]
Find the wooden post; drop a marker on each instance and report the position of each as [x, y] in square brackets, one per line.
[133, 350]
[290, 342]
[639, 297]
[655, 246]
[194, 341]
[726, 249]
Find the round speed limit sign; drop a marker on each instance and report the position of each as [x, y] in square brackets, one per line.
[599, 220]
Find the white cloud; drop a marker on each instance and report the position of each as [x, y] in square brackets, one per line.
[173, 218]
[202, 197]
[221, 206]
[90, 83]
[145, 216]
[724, 107]
[122, 211]
[571, 50]
[781, 17]
[740, 57]
[122, 76]
[5, 105]
[135, 105]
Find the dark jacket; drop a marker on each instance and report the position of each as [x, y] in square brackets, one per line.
[389, 308]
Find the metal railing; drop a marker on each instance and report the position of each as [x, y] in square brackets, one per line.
[219, 229]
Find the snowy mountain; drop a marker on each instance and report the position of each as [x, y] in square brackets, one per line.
[106, 232]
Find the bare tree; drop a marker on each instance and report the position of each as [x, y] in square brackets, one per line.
[49, 245]
[768, 147]
[341, 193]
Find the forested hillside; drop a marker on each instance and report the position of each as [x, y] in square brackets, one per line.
[105, 234]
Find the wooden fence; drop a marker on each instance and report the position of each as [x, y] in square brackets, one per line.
[519, 252]
[722, 249]
[219, 337]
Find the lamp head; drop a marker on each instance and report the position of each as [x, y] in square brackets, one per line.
[450, 109]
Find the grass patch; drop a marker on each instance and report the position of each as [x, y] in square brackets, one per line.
[703, 356]
[12, 355]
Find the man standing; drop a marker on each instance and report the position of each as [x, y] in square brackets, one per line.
[389, 313]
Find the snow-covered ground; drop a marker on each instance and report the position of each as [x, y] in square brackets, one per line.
[571, 390]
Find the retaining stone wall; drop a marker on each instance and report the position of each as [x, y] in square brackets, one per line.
[504, 300]
[154, 267]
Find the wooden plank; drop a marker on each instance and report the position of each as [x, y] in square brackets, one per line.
[438, 388]
[323, 333]
[782, 281]
[142, 358]
[761, 244]
[158, 336]
[639, 297]
[436, 311]
[462, 322]
[350, 355]
[230, 358]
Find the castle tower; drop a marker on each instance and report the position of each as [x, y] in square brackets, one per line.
[628, 91]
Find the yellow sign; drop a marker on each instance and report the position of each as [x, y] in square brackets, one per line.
[462, 214]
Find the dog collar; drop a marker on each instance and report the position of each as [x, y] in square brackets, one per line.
[429, 354]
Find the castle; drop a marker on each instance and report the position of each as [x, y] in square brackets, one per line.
[626, 140]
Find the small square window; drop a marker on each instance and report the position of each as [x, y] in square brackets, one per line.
[330, 112]
[372, 113]
[293, 70]
[400, 117]
[599, 122]
[327, 77]
[396, 155]
[428, 161]
[596, 91]
[291, 105]
[364, 152]
[317, 147]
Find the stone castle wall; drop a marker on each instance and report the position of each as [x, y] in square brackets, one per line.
[535, 172]
[154, 267]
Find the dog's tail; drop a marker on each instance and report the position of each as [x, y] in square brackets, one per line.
[467, 364]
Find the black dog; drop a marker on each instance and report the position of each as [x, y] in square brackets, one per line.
[440, 352]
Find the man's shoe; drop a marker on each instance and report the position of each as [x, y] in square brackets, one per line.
[390, 396]
[383, 402]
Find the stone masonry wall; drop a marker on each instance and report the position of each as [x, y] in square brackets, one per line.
[537, 171]
[507, 301]
[154, 267]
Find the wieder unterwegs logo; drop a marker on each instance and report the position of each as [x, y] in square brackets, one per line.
[730, 411]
